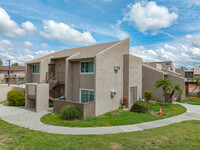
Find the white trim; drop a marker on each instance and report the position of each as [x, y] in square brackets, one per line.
[85, 90]
[87, 72]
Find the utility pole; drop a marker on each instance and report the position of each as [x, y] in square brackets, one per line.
[8, 72]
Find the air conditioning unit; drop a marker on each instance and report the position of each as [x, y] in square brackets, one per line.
[113, 93]
[116, 68]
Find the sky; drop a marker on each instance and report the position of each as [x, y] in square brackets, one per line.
[158, 30]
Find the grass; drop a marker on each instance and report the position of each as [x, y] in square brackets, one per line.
[3, 101]
[184, 135]
[118, 117]
[192, 101]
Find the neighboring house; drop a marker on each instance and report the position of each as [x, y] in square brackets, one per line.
[190, 84]
[189, 74]
[93, 78]
[197, 72]
[17, 74]
[152, 73]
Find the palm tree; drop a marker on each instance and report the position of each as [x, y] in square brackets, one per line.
[166, 86]
[173, 90]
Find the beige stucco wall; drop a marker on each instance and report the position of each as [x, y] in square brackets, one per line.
[177, 80]
[107, 79]
[28, 73]
[43, 69]
[150, 76]
[60, 69]
[74, 80]
[37, 96]
[35, 78]
[181, 71]
[132, 76]
[3, 92]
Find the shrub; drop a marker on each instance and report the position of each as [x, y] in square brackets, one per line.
[148, 95]
[70, 112]
[16, 98]
[140, 107]
[125, 101]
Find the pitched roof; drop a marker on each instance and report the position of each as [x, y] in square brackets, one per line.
[154, 68]
[12, 68]
[82, 52]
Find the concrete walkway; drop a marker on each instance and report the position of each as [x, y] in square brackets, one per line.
[30, 119]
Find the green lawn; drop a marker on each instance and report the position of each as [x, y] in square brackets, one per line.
[3, 102]
[118, 117]
[192, 101]
[182, 136]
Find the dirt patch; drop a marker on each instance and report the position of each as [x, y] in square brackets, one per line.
[4, 139]
[115, 113]
[115, 145]
[152, 102]
[154, 113]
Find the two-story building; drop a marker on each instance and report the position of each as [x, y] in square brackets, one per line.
[94, 78]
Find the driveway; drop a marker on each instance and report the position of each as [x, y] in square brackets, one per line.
[28, 118]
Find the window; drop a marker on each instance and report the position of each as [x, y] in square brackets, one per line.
[36, 69]
[87, 67]
[86, 96]
[167, 64]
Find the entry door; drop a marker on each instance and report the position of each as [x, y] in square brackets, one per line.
[133, 95]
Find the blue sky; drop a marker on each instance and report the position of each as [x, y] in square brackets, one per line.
[158, 30]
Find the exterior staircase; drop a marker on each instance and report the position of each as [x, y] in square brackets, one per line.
[50, 79]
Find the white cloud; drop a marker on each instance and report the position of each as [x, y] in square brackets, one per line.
[8, 51]
[182, 54]
[10, 28]
[44, 45]
[28, 44]
[193, 39]
[149, 16]
[29, 27]
[5, 44]
[66, 34]
[169, 47]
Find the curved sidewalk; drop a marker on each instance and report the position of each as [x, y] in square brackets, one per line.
[28, 118]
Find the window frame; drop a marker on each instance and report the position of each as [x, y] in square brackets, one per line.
[87, 72]
[88, 96]
[36, 65]
[167, 64]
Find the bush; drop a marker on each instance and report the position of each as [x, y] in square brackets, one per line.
[140, 107]
[148, 95]
[125, 101]
[16, 98]
[70, 112]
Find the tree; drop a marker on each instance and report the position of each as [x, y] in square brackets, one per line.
[165, 84]
[1, 62]
[174, 89]
[168, 87]
[15, 64]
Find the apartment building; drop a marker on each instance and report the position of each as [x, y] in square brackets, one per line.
[17, 74]
[189, 74]
[162, 70]
[93, 78]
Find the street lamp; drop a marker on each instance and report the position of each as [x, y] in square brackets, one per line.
[8, 72]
